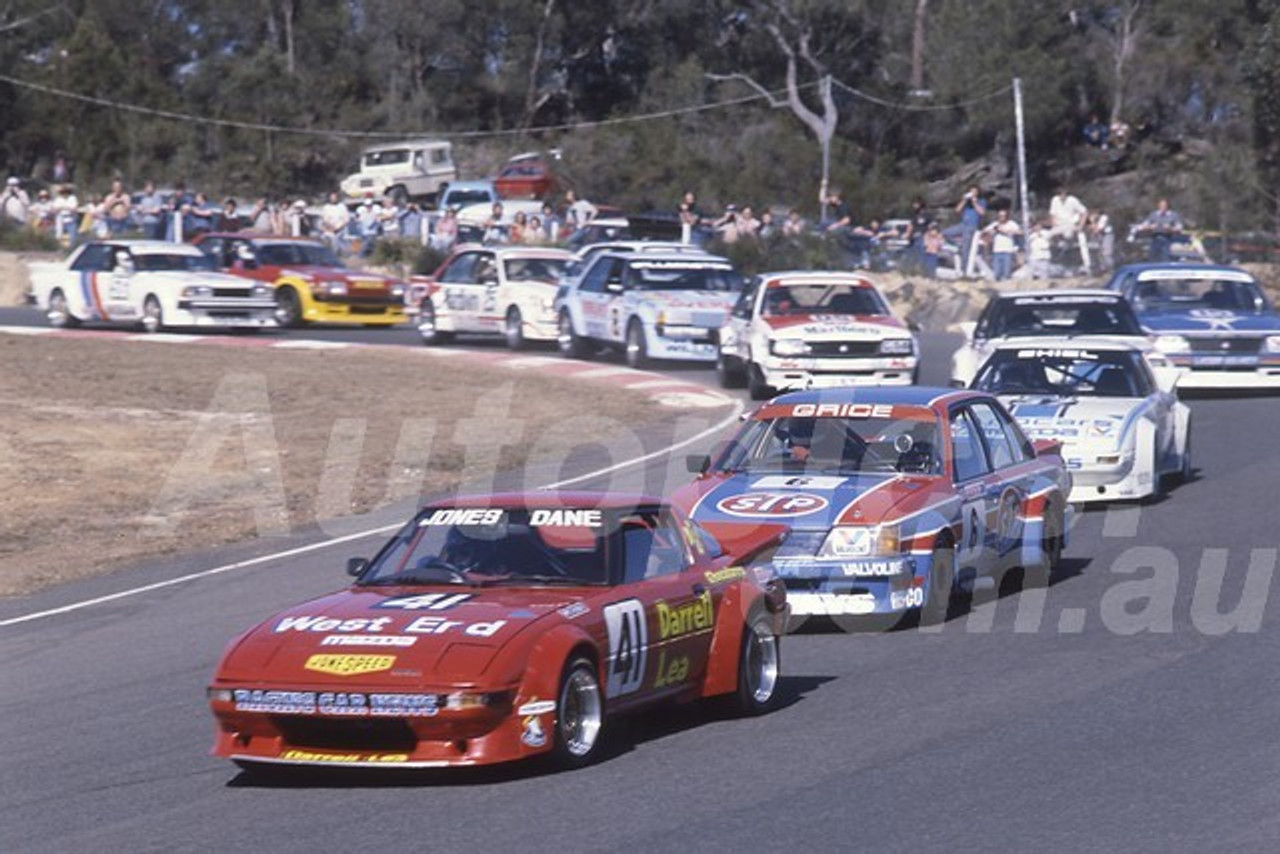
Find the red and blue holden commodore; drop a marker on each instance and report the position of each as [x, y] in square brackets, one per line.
[501, 627]
[894, 497]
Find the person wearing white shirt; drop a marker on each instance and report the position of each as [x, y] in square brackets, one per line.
[1003, 234]
[1068, 213]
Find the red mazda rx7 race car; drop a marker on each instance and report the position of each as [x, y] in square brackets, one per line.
[500, 627]
[894, 496]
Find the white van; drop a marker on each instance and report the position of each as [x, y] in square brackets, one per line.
[416, 169]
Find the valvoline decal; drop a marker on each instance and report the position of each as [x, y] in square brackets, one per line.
[757, 504]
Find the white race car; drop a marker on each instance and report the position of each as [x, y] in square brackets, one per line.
[653, 305]
[150, 284]
[1063, 313]
[1122, 428]
[501, 290]
[802, 330]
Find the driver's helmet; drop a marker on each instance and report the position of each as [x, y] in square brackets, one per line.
[462, 550]
[778, 301]
[124, 261]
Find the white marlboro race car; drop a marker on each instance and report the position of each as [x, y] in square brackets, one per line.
[652, 305]
[1063, 313]
[149, 284]
[801, 330]
[1123, 430]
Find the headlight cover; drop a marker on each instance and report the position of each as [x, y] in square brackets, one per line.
[197, 291]
[1172, 344]
[789, 347]
[1272, 344]
[853, 541]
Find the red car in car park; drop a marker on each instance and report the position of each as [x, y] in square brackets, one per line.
[526, 176]
[501, 627]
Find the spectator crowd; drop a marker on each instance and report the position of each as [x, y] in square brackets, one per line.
[980, 238]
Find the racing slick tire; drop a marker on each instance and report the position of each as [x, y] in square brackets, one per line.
[729, 371]
[288, 308]
[570, 344]
[431, 334]
[513, 329]
[58, 313]
[942, 576]
[1185, 470]
[757, 388]
[759, 666]
[152, 315]
[637, 353]
[1051, 540]
[579, 715]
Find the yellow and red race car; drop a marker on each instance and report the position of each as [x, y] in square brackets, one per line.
[311, 283]
[502, 627]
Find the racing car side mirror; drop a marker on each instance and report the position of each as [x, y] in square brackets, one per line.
[1047, 447]
[1167, 377]
[356, 565]
[697, 463]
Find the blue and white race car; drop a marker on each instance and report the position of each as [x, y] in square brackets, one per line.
[1212, 320]
[894, 496]
[652, 305]
[1122, 429]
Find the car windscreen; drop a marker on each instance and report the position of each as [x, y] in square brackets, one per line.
[296, 254]
[533, 269]
[386, 158]
[1199, 293]
[152, 262]
[521, 546]
[822, 298]
[657, 275]
[1065, 373]
[807, 445]
[1030, 317]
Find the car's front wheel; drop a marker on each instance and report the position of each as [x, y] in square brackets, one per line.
[1051, 543]
[759, 667]
[427, 327]
[288, 308]
[756, 385]
[729, 370]
[513, 329]
[942, 573]
[570, 343]
[59, 313]
[636, 349]
[579, 715]
[152, 314]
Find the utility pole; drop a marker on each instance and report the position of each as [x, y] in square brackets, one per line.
[1022, 156]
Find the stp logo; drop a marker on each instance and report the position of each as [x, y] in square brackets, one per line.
[771, 504]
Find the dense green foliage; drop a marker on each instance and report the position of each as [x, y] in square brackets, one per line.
[1197, 78]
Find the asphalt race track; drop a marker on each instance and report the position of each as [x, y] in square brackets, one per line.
[1129, 710]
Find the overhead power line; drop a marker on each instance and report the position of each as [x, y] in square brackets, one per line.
[359, 134]
[921, 108]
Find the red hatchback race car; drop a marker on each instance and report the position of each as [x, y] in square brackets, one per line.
[502, 627]
[311, 283]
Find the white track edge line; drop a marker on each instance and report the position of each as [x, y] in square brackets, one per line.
[218, 570]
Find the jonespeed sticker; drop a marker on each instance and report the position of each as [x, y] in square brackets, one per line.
[350, 665]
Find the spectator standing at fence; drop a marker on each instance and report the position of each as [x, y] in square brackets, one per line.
[150, 211]
[42, 211]
[748, 224]
[411, 223]
[117, 206]
[972, 208]
[931, 243]
[578, 212]
[551, 224]
[1039, 250]
[768, 228]
[445, 233]
[795, 224]
[15, 203]
[1069, 215]
[1103, 234]
[1003, 234]
[691, 223]
[839, 217]
[334, 219]
[1162, 225]
[229, 218]
[66, 215]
